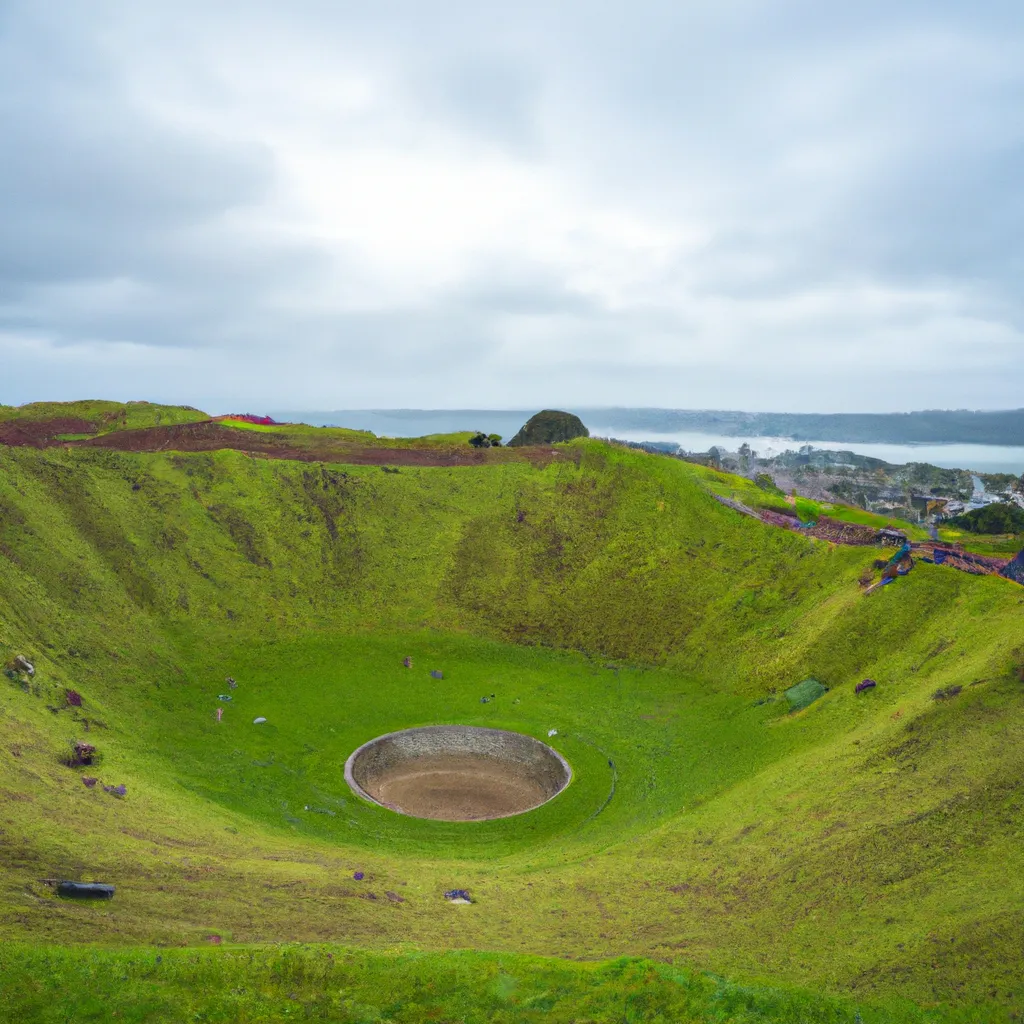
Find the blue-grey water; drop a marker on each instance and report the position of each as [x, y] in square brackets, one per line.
[414, 422]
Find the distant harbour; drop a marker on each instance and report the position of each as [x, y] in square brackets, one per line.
[981, 458]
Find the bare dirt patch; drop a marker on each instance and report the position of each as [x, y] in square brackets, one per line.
[457, 773]
[452, 788]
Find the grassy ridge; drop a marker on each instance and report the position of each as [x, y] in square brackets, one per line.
[106, 416]
[868, 845]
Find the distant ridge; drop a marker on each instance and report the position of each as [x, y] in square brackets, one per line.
[935, 426]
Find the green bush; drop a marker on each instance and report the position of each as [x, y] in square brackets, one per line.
[1003, 517]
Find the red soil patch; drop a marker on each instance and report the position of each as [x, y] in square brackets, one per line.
[264, 421]
[209, 436]
[40, 433]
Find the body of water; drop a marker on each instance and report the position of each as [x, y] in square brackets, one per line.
[982, 458]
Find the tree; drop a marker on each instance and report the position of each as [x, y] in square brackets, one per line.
[1001, 517]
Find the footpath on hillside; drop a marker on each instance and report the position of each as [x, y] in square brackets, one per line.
[837, 532]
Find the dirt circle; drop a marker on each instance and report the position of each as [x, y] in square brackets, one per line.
[457, 772]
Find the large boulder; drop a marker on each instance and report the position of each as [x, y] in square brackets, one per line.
[550, 427]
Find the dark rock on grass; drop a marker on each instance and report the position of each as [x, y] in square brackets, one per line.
[85, 890]
[82, 754]
[550, 427]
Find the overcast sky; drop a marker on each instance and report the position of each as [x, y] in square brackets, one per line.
[781, 205]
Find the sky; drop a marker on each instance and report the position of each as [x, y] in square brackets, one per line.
[787, 206]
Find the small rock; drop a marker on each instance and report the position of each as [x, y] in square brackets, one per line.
[88, 781]
[22, 663]
[74, 698]
[552, 732]
[436, 674]
[359, 876]
[85, 890]
[258, 721]
[457, 896]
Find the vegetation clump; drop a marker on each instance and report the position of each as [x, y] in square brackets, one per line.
[482, 440]
[550, 426]
[999, 517]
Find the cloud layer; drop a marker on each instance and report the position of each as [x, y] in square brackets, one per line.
[325, 204]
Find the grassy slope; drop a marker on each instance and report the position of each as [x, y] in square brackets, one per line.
[742, 489]
[870, 845]
[105, 415]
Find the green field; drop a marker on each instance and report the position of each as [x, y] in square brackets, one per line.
[863, 856]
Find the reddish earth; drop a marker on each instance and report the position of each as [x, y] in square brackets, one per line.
[208, 436]
[40, 433]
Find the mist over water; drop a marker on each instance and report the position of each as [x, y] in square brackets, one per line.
[982, 458]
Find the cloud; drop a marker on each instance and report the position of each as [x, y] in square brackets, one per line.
[331, 204]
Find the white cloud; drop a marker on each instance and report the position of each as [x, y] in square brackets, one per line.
[399, 204]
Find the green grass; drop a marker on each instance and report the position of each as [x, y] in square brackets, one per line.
[457, 437]
[865, 849]
[107, 416]
[257, 984]
[998, 545]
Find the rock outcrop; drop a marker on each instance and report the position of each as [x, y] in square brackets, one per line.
[550, 427]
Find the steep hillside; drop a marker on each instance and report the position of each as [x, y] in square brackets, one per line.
[869, 844]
